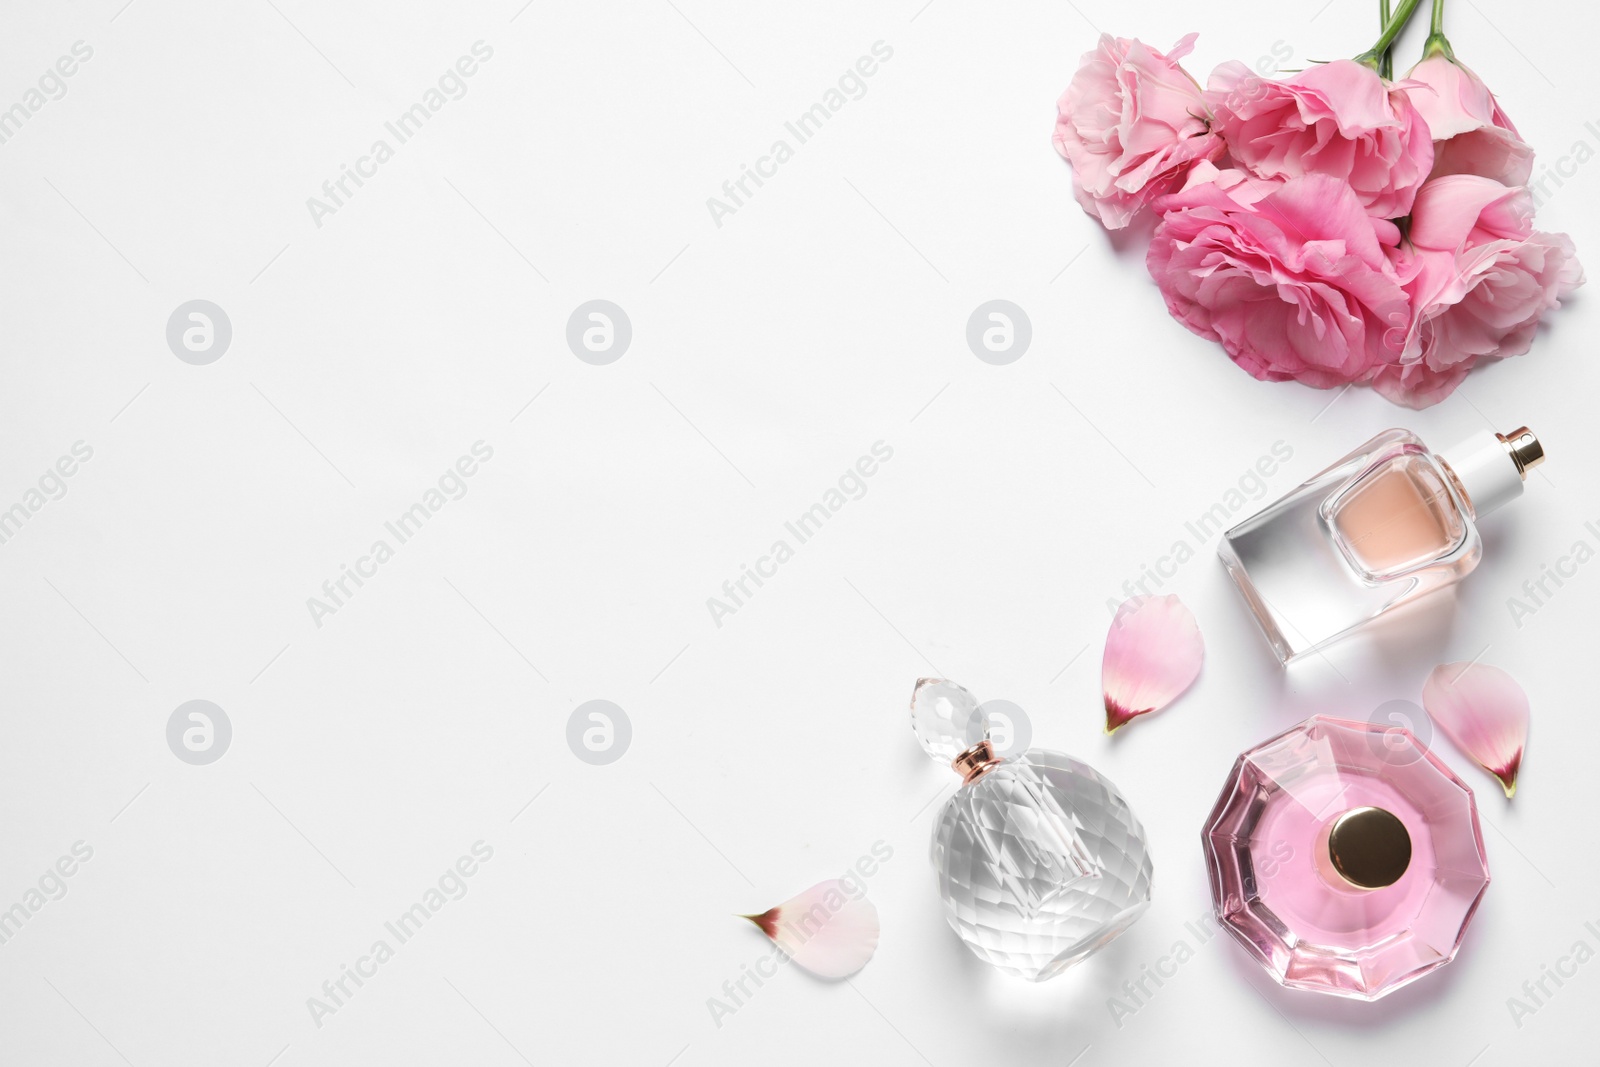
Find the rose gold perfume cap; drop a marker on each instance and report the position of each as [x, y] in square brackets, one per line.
[1526, 451]
[1491, 467]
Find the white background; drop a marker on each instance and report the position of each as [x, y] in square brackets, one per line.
[768, 354]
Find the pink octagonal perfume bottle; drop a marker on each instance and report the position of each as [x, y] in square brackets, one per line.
[1345, 857]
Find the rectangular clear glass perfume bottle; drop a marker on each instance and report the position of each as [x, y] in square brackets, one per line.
[1388, 523]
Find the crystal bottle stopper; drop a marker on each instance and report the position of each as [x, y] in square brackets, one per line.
[952, 727]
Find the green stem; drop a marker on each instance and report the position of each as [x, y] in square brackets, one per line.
[1438, 44]
[1386, 63]
[1373, 56]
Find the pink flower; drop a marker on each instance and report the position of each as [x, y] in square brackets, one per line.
[1337, 118]
[1471, 134]
[1131, 122]
[1479, 277]
[1289, 276]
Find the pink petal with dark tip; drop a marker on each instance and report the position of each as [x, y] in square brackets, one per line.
[830, 929]
[1485, 712]
[1153, 653]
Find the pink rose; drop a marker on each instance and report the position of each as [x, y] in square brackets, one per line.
[1471, 134]
[1479, 277]
[1337, 118]
[1130, 124]
[1290, 276]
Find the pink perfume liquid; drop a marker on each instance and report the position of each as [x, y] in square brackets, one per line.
[1400, 517]
[1346, 858]
[1309, 894]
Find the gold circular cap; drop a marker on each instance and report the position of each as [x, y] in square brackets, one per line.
[1369, 847]
[1526, 451]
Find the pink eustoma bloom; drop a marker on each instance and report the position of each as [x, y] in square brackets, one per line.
[1480, 278]
[1471, 134]
[1290, 277]
[1131, 122]
[1340, 119]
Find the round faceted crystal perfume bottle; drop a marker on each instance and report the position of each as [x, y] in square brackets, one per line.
[1039, 859]
[1345, 857]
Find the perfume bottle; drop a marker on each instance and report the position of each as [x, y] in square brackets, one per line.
[1385, 525]
[1039, 859]
[1345, 857]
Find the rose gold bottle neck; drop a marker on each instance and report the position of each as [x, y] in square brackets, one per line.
[976, 762]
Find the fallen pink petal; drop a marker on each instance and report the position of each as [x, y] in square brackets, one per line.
[830, 929]
[1153, 653]
[1485, 712]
